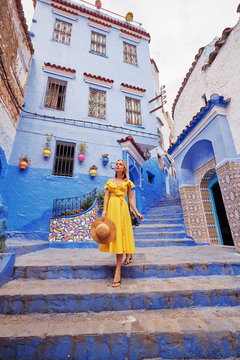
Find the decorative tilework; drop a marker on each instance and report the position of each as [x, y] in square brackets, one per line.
[73, 228]
[229, 182]
[206, 201]
[193, 212]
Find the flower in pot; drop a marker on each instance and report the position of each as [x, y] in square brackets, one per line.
[105, 159]
[47, 150]
[82, 148]
[93, 170]
[24, 161]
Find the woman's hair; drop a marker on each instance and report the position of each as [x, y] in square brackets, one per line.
[125, 172]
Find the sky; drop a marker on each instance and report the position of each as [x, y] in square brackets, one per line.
[178, 28]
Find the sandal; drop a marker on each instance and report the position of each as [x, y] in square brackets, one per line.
[126, 262]
[116, 283]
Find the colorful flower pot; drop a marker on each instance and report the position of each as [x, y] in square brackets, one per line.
[23, 164]
[105, 160]
[81, 157]
[93, 172]
[46, 152]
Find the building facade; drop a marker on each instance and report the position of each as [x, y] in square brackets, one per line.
[90, 83]
[16, 50]
[207, 150]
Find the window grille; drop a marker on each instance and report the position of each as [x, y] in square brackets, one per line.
[97, 104]
[62, 32]
[98, 43]
[129, 53]
[55, 94]
[133, 111]
[64, 158]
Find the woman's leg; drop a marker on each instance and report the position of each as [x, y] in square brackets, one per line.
[128, 259]
[117, 276]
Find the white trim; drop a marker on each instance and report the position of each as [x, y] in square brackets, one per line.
[128, 90]
[98, 26]
[119, 27]
[64, 13]
[130, 37]
[128, 146]
[99, 82]
[60, 72]
[200, 127]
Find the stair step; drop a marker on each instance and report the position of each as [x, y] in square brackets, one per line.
[163, 242]
[160, 235]
[62, 296]
[163, 221]
[172, 334]
[21, 247]
[158, 227]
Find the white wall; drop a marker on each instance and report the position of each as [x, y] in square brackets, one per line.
[222, 78]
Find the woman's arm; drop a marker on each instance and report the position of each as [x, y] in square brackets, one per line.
[105, 203]
[132, 204]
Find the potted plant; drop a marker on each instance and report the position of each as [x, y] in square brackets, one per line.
[82, 148]
[24, 161]
[105, 159]
[93, 170]
[47, 150]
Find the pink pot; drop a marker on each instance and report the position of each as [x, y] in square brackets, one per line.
[81, 157]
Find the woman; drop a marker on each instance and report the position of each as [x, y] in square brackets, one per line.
[115, 208]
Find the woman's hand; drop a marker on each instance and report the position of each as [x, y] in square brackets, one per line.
[141, 218]
[104, 214]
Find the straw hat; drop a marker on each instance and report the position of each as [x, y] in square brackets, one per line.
[103, 231]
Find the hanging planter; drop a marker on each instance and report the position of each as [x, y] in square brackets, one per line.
[82, 148]
[81, 157]
[93, 170]
[105, 159]
[24, 162]
[47, 150]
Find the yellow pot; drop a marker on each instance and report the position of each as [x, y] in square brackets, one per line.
[93, 172]
[46, 152]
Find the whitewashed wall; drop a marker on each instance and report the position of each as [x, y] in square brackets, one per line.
[222, 78]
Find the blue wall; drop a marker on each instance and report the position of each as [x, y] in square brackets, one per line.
[30, 192]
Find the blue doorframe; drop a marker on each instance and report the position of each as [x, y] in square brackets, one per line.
[213, 181]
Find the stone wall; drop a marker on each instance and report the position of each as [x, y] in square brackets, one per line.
[15, 56]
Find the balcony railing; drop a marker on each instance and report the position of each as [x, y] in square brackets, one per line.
[73, 205]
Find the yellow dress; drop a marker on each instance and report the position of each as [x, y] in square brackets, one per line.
[118, 212]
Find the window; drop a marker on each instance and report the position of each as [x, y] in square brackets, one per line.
[133, 111]
[129, 53]
[98, 43]
[64, 157]
[62, 32]
[97, 104]
[55, 94]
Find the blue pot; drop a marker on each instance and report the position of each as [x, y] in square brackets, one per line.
[105, 160]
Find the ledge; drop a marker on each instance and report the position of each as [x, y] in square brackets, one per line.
[59, 70]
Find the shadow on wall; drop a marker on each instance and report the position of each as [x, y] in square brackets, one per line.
[154, 184]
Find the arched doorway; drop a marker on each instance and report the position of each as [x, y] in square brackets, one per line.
[219, 212]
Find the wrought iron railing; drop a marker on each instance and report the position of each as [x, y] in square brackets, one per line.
[73, 205]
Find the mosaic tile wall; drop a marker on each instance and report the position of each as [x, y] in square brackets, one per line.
[73, 228]
[202, 178]
[193, 212]
[229, 181]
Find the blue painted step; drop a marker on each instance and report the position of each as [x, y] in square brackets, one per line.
[73, 296]
[131, 271]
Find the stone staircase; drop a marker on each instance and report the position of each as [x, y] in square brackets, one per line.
[175, 302]
[163, 226]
